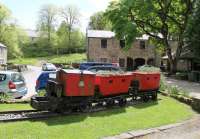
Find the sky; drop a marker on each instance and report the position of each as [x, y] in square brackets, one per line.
[26, 11]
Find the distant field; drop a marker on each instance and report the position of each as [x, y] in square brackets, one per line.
[68, 58]
[99, 124]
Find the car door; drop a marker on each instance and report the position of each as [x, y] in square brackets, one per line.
[19, 81]
[3, 83]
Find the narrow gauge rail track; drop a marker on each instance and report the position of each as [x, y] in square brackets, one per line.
[12, 116]
[21, 115]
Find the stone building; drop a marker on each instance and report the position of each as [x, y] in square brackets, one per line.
[3, 54]
[187, 60]
[103, 46]
[32, 34]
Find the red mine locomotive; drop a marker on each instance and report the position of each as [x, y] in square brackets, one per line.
[76, 89]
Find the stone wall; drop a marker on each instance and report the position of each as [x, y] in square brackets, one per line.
[114, 52]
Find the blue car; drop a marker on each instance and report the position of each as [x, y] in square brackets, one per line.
[86, 65]
[41, 81]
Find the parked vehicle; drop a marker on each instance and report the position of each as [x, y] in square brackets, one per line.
[104, 68]
[48, 67]
[13, 84]
[41, 81]
[79, 89]
[86, 65]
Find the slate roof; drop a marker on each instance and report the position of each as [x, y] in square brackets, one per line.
[108, 34]
[100, 34]
[2, 45]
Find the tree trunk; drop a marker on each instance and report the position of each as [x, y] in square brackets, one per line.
[69, 37]
[57, 51]
[173, 69]
[172, 61]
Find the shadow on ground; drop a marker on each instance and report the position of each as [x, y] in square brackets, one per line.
[75, 118]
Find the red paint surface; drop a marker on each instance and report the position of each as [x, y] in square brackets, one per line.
[148, 81]
[77, 84]
[113, 84]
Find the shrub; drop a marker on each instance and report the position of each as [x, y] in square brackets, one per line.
[163, 85]
[4, 97]
[182, 75]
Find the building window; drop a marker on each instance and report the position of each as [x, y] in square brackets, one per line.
[104, 43]
[142, 44]
[122, 43]
[103, 60]
[121, 62]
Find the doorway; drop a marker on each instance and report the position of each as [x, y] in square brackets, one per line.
[129, 66]
[139, 62]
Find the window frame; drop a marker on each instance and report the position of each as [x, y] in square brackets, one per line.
[142, 44]
[122, 44]
[123, 63]
[104, 43]
[5, 77]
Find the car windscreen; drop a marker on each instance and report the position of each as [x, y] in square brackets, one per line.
[2, 77]
[17, 77]
[52, 75]
[114, 69]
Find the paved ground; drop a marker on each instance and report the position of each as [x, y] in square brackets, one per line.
[187, 130]
[191, 87]
[31, 76]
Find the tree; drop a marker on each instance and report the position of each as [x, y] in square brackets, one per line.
[5, 15]
[162, 20]
[47, 20]
[10, 34]
[193, 31]
[70, 15]
[98, 21]
[62, 34]
[77, 39]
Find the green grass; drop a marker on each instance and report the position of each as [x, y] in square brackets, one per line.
[25, 61]
[105, 123]
[68, 58]
[11, 107]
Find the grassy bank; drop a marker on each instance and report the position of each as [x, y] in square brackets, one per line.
[105, 123]
[68, 58]
[11, 107]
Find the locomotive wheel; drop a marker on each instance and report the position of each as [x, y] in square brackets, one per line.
[110, 103]
[145, 98]
[154, 96]
[84, 108]
[122, 102]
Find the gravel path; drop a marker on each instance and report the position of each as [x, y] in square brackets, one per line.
[192, 88]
